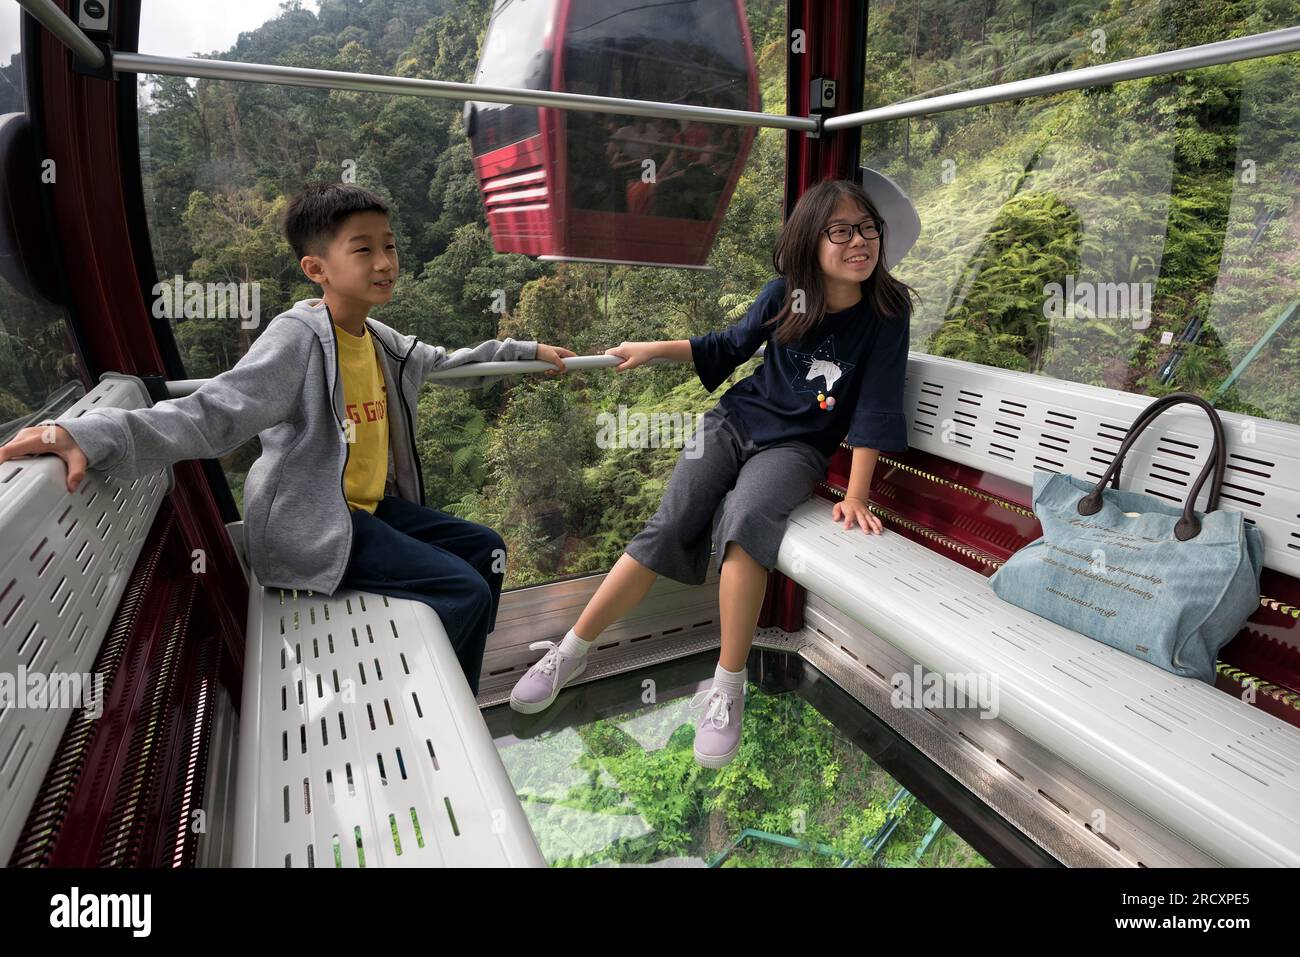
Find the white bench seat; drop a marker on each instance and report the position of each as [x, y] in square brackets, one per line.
[1223, 774]
[361, 744]
[65, 561]
[1220, 773]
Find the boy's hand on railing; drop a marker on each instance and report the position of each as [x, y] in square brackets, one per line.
[555, 355]
[633, 354]
[48, 439]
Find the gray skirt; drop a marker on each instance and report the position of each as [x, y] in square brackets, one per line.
[726, 489]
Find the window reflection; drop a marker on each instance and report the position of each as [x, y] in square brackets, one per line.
[1243, 345]
[1131, 236]
[516, 55]
[645, 165]
[607, 161]
[40, 376]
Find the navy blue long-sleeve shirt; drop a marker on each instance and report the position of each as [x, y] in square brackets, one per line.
[854, 356]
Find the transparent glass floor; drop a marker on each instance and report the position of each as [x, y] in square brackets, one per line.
[608, 778]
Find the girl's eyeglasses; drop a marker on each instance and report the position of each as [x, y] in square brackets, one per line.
[842, 233]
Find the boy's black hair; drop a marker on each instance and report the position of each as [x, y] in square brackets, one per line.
[315, 215]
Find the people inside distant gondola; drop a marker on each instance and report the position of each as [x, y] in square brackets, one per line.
[690, 166]
[836, 327]
[634, 144]
[689, 149]
[335, 499]
[592, 151]
[630, 143]
[611, 142]
[688, 182]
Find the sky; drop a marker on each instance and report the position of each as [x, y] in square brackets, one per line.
[173, 27]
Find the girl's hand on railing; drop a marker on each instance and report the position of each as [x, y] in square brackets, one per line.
[633, 354]
[854, 511]
[555, 355]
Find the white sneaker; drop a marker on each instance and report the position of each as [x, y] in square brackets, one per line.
[717, 731]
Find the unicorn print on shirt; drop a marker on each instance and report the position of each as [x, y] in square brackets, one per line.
[821, 363]
[825, 369]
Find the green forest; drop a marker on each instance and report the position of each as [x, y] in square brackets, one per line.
[1139, 182]
[627, 789]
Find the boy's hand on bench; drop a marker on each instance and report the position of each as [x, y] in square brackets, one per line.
[555, 355]
[48, 439]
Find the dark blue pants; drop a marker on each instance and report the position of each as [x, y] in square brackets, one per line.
[406, 550]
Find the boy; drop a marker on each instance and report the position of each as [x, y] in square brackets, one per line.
[336, 498]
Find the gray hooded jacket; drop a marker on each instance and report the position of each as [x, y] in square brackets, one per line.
[287, 390]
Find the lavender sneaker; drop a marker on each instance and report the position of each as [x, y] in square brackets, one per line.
[541, 683]
[717, 731]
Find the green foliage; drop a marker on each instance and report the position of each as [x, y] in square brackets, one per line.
[598, 795]
[450, 434]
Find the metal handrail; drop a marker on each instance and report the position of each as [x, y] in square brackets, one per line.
[176, 388]
[445, 90]
[1286, 40]
[67, 32]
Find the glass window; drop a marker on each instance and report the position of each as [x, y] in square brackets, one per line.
[517, 53]
[11, 60]
[613, 781]
[40, 375]
[1138, 236]
[932, 47]
[567, 469]
[623, 50]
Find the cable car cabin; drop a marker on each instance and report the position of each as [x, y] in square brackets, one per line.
[164, 707]
[612, 187]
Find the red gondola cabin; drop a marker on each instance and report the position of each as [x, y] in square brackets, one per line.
[566, 184]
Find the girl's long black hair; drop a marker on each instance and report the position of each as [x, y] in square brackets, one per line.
[795, 259]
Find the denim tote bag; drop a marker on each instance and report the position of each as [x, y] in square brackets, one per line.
[1168, 585]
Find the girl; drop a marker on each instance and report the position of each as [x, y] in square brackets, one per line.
[836, 325]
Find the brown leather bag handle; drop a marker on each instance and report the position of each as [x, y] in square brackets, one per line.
[1189, 526]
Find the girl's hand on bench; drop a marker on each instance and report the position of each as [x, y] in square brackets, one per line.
[48, 439]
[854, 511]
[555, 355]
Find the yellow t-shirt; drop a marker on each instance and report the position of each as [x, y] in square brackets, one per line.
[365, 400]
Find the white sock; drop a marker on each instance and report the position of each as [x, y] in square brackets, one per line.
[571, 646]
[732, 682]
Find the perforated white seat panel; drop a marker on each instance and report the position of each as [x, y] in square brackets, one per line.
[1014, 424]
[395, 769]
[64, 562]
